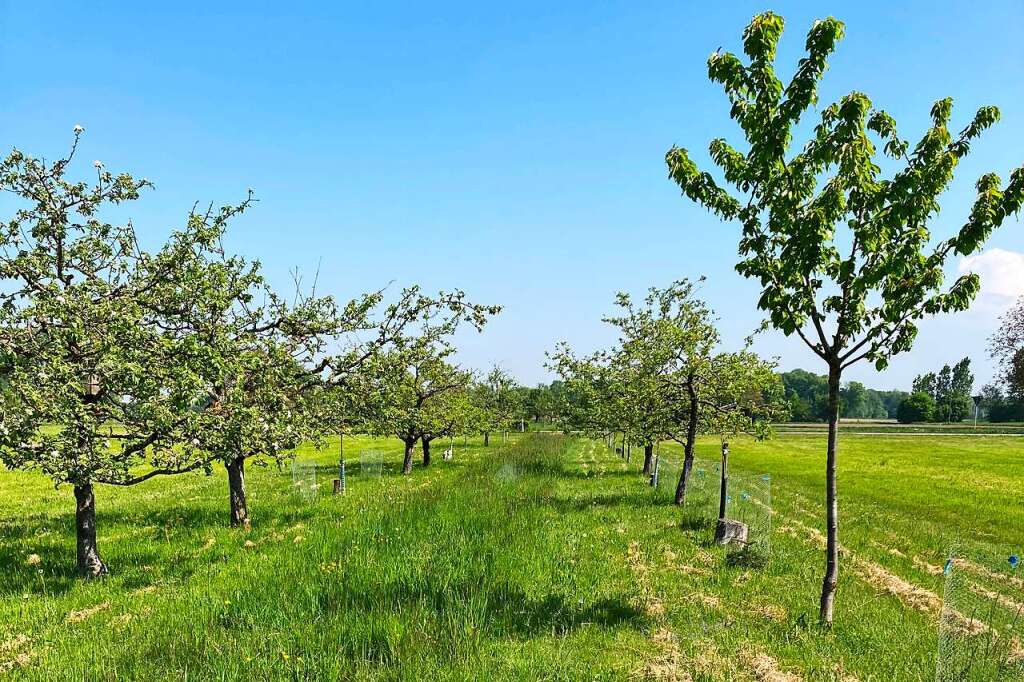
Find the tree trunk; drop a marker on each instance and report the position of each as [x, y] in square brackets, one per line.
[487, 439]
[691, 442]
[407, 464]
[426, 452]
[648, 458]
[236, 489]
[828, 587]
[723, 493]
[90, 565]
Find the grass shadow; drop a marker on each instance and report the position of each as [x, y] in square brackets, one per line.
[748, 556]
[500, 609]
[126, 557]
[694, 521]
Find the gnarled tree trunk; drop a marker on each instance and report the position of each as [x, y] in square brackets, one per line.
[828, 587]
[236, 492]
[648, 458]
[90, 565]
[410, 444]
[691, 441]
[426, 452]
[487, 439]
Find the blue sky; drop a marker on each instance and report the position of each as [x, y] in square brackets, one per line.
[515, 150]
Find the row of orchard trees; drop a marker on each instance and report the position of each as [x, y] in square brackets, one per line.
[119, 364]
[668, 379]
[429, 398]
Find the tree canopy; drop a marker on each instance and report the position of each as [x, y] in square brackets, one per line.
[102, 380]
[1006, 347]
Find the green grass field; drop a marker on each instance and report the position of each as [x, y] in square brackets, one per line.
[965, 428]
[548, 558]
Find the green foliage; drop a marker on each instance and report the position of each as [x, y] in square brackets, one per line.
[844, 255]
[121, 365]
[499, 401]
[793, 208]
[543, 403]
[950, 390]
[919, 406]
[1001, 408]
[1006, 347]
[661, 343]
[86, 340]
[422, 401]
[745, 395]
[588, 399]
[807, 396]
[663, 364]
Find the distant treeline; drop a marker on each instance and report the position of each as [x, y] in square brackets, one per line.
[807, 395]
[997, 407]
[943, 396]
[544, 402]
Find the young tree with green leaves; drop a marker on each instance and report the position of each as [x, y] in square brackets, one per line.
[744, 396]
[261, 399]
[612, 391]
[421, 398]
[644, 413]
[498, 400]
[451, 414]
[844, 255]
[667, 343]
[651, 383]
[412, 376]
[589, 399]
[362, 380]
[675, 332]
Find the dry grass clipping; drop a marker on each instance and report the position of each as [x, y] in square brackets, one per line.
[648, 600]
[15, 653]
[667, 666]
[85, 614]
[928, 568]
[764, 668]
[912, 595]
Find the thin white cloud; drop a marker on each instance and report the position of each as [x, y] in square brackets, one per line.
[1001, 272]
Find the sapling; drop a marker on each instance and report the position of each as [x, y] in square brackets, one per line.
[843, 254]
